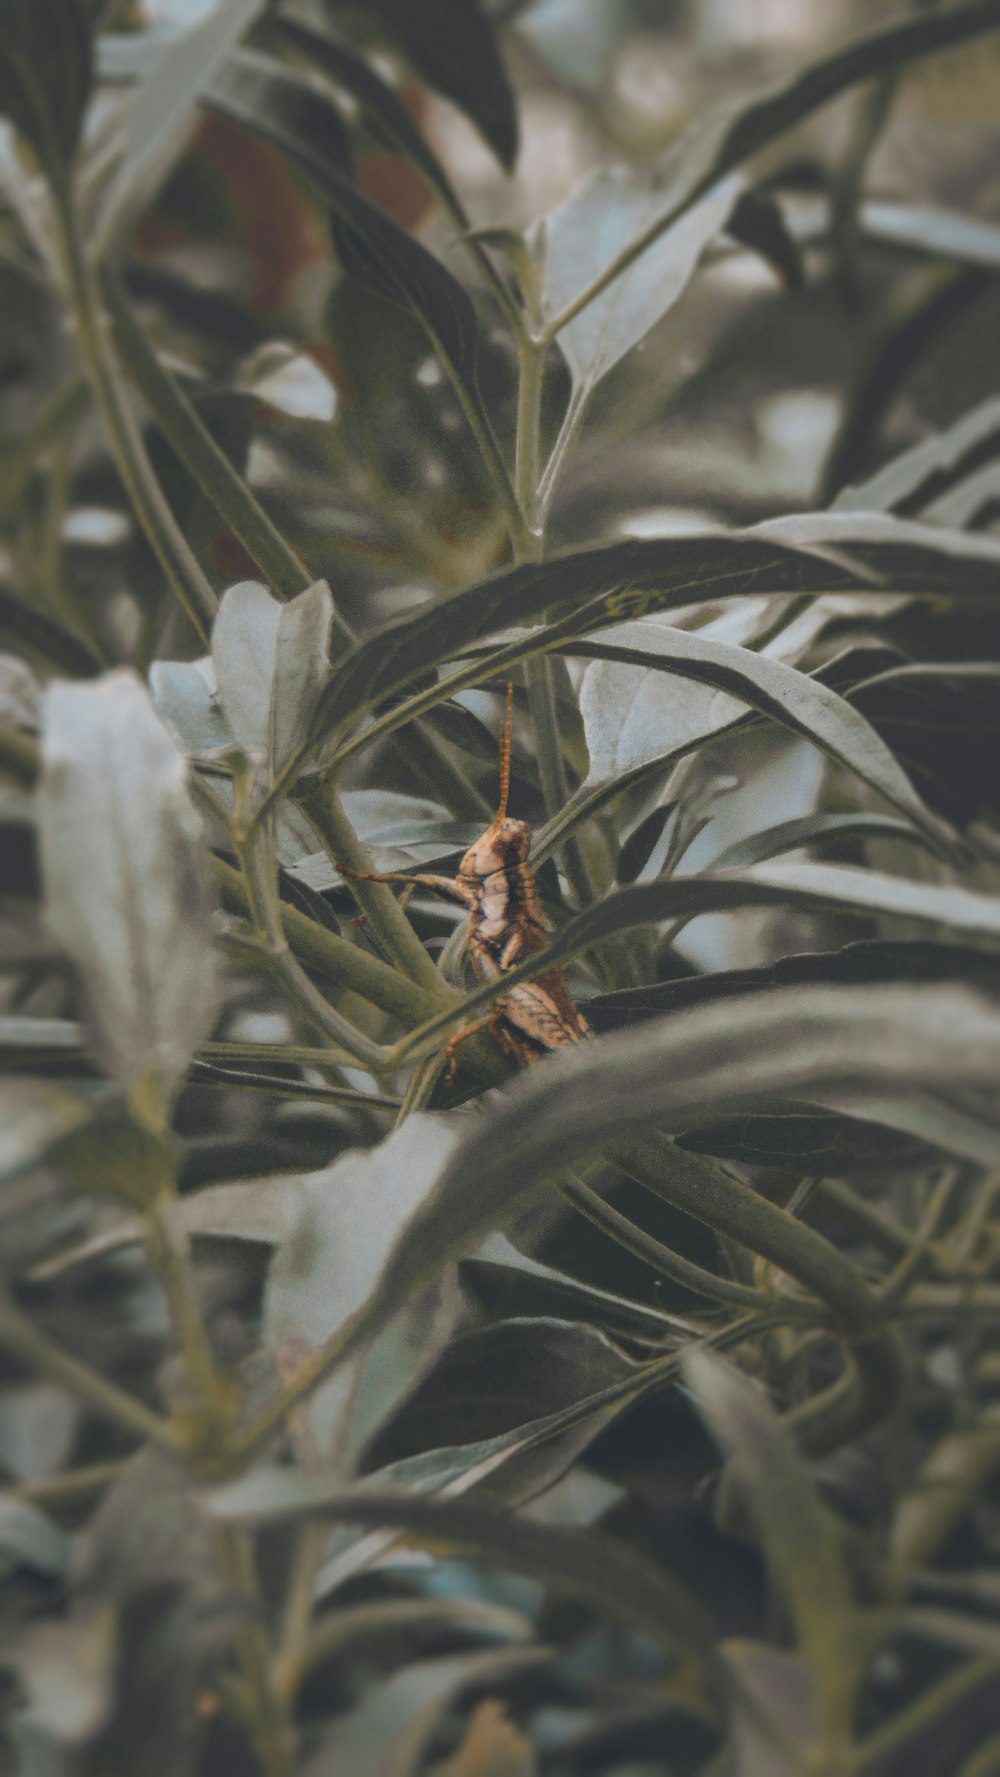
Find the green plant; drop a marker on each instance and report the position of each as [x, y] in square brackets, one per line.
[292, 1331]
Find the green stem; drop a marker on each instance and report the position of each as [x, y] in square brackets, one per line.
[20, 1337]
[703, 1190]
[331, 956]
[205, 460]
[939, 1701]
[238, 506]
[265, 908]
[94, 341]
[376, 900]
[659, 1257]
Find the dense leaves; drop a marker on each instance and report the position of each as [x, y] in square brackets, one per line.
[499, 930]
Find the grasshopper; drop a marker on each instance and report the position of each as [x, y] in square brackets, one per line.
[506, 925]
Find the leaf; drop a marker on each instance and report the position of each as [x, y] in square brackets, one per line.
[45, 76]
[301, 668]
[600, 1572]
[29, 1539]
[20, 694]
[185, 696]
[738, 128]
[697, 1064]
[244, 651]
[783, 1690]
[290, 109]
[162, 108]
[817, 887]
[589, 589]
[932, 232]
[912, 480]
[256, 92]
[35, 1115]
[384, 110]
[621, 736]
[578, 240]
[125, 874]
[802, 1549]
[868, 962]
[289, 381]
[809, 830]
[394, 1727]
[330, 1261]
[452, 45]
[502, 1378]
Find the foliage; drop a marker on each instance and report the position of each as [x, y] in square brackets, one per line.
[635, 1411]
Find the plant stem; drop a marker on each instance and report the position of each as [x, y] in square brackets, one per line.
[265, 908]
[709, 1194]
[331, 956]
[20, 1336]
[94, 341]
[376, 900]
[659, 1257]
[939, 1700]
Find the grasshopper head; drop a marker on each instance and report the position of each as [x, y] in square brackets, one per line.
[501, 847]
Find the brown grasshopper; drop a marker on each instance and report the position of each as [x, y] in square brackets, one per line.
[506, 925]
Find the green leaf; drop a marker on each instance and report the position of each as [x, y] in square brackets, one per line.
[330, 1261]
[162, 108]
[912, 480]
[29, 1539]
[452, 45]
[738, 128]
[271, 663]
[301, 669]
[126, 886]
[384, 111]
[809, 830]
[186, 698]
[591, 588]
[289, 109]
[578, 240]
[244, 651]
[607, 1575]
[889, 961]
[289, 381]
[816, 887]
[260, 94]
[801, 1546]
[45, 76]
[630, 720]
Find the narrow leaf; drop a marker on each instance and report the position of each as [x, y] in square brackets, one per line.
[45, 75]
[259, 93]
[591, 588]
[603, 1573]
[912, 480]
[162, 108]
[804, 705]
[452, 45]
[801, 1546]
[125, 873]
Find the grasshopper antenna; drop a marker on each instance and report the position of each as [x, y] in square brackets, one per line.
[505, 756]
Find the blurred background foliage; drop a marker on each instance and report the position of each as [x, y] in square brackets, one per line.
[535, 1523]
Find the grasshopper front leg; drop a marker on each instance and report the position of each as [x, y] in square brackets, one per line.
[445, 886]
